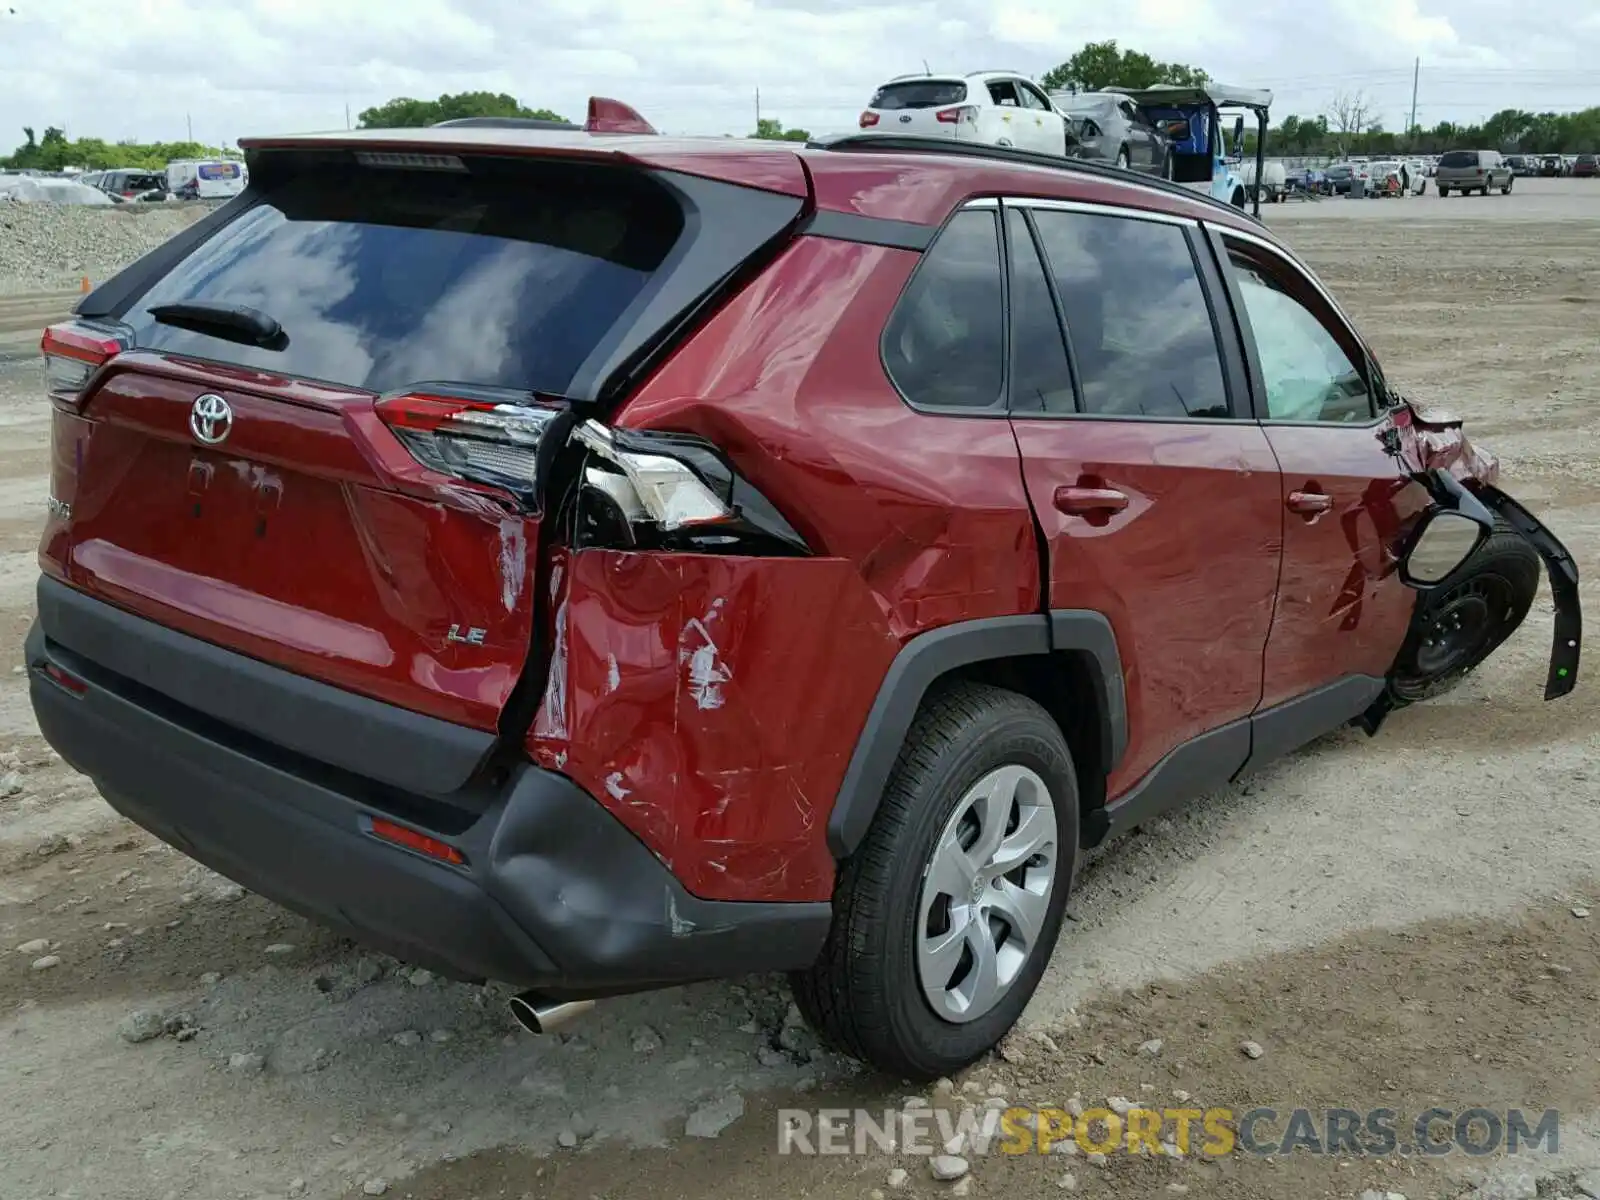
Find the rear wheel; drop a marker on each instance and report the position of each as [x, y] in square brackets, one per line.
[1443, 192]
[1506, 191]
[1464, 620]
[946, 915]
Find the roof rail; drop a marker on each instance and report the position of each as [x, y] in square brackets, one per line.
[920, 143]
[505, 123]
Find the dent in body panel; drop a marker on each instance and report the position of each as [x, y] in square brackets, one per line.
[310, 540]
[733, 796]
[1341, 606]
[786, 379]
[1185, 573]
[1431, 439]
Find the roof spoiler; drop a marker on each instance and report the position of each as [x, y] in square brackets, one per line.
[613, 116]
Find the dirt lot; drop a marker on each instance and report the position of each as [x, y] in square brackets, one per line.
[1395, 922]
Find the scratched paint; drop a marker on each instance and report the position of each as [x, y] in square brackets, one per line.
[513, 561]
[707, 673]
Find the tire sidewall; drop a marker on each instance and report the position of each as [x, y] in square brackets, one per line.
[1022, 736]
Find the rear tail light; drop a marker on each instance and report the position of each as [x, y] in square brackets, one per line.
[955, 116]
[490, 442]
[869, 119]
[667, 491]
[654, 487]
[73, 351]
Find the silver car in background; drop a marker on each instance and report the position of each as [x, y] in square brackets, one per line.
[1111, 128]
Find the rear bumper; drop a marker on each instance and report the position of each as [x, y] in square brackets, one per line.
[554, 894]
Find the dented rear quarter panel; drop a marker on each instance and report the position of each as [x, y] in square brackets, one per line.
[712, 703]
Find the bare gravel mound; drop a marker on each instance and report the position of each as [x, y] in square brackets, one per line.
[49, 246]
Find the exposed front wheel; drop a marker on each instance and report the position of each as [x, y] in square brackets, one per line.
[946, 915]
[1461, 622]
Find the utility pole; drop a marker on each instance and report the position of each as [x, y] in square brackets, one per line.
[758, 110]
[1416, 73]
[189, 122]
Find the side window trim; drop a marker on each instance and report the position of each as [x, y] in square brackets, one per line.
[1059, 313]
[1219, 237]
[1236, 379]
[1239, 323]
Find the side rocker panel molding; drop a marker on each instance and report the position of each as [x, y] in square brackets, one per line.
[923, 660]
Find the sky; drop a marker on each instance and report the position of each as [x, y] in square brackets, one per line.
[155, 70]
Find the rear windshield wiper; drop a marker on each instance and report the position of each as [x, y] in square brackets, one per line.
[233, 322]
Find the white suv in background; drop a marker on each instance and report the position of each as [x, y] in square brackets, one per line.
[999, 107]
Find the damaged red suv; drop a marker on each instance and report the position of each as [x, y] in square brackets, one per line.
[595, 561]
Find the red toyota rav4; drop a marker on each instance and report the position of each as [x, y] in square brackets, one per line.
[595, 561]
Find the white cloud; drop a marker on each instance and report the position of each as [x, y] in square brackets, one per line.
[145, 69]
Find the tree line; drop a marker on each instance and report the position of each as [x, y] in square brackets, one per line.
[55, 151]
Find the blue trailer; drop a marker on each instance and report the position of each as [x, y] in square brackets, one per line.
[1203, 156]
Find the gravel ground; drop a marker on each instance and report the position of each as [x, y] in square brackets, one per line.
[1395, 922]
[49, 246]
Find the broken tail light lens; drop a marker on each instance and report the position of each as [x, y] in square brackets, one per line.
[73, 351]
[486, 441]
[655, 487]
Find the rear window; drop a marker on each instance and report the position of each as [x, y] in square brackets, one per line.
[1459, 158]
[142, 183]
[222, 170]
[1586, 159]
[507, 276]
[919, 93]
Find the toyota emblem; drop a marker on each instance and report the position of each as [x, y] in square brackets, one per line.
[210, 419]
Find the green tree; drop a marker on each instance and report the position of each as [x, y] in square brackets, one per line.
[1103, 64]
[770, 130]
[406, 113]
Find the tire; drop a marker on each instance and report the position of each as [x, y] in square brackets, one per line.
[1506, 191]
[1122, 159]
[1239, 199]
[1465, 619]
[1444, 192]
[868, 994]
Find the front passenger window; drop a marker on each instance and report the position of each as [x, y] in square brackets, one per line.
[1308, 375]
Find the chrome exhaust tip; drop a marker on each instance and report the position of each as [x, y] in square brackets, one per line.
[537, 1014]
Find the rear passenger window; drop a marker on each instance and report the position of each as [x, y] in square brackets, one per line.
[944, 345]
[1138, 325]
